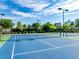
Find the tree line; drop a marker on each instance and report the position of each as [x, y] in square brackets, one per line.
[68, 26]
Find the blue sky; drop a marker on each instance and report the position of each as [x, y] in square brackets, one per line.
[28, 11]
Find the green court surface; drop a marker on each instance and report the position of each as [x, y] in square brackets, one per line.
[4, 39]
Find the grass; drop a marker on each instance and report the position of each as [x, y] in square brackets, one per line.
[4, 38]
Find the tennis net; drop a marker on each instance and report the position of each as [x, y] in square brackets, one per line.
[24, 37]
[72, 34]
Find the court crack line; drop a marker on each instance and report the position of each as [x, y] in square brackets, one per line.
[43, 50]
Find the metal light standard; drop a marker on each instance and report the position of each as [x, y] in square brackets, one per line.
[63, 16]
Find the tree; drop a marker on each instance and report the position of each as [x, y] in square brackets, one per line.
[19, 25]
[6, 23]
[25, 26]
[66, 26]
[58, 25]
[48, 27]
[36, 25]
[29, 26]
[53, 27]
[71, 24]
[77, 22]
[1, 29]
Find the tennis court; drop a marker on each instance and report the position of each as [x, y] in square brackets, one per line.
[39, 46]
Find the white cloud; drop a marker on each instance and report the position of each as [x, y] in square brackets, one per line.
[62, 2]
[38, 6]
[7, 17]
[3, 6]
[72, 13]
[34, 4]
[71, 5]
[21, 13]
[54, 8]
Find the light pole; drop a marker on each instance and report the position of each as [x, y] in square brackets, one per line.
[63, 17]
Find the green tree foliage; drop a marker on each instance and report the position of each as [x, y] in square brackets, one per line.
[66, 26]
[48, 26]
[29, 26]
[6, 23]
[36, 25]
[19, 25]
[58, 25]
[1, 29]
[72, 24]
[25, 26]
[77, 22]
[53, 27]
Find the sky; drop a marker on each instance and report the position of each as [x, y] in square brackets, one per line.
[29, 11]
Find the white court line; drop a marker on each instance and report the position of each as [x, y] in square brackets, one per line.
[43, 50]
[48, 43]
[13, 48]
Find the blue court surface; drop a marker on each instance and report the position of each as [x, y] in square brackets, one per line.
[39, 47]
